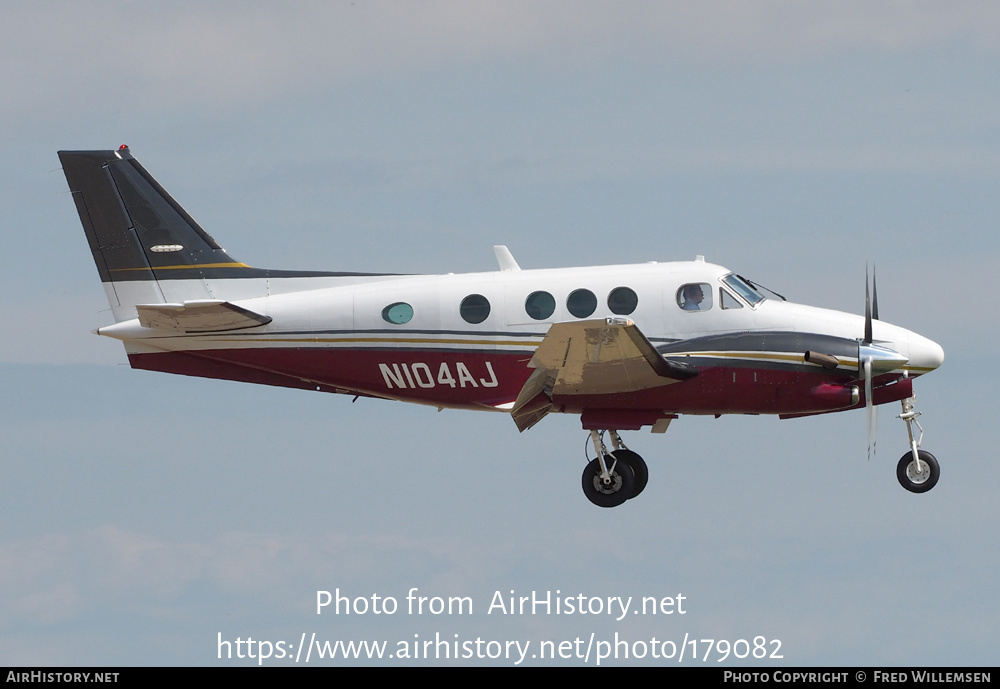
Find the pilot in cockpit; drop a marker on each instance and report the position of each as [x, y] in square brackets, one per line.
[692, 297]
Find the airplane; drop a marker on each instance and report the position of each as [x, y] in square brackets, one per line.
[623, 346]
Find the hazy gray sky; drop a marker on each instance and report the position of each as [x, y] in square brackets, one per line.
[145, 514]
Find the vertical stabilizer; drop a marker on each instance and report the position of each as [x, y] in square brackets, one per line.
[138, 234]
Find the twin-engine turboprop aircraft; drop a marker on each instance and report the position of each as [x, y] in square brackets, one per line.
[624, 347]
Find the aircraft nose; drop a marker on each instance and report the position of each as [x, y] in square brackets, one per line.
[925, 355]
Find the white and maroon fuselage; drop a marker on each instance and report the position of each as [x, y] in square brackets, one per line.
[330, 334]
[704, 341]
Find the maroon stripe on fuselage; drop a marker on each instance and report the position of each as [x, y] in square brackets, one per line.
[723, 390]
[462, 379]
[441, 377]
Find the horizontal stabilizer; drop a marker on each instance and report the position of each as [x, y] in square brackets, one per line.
[203, 316]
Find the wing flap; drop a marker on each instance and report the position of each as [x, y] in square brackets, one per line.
[534, 400]
[202, 316]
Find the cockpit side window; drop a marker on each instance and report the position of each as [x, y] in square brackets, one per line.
[728, 301]
[695, 296]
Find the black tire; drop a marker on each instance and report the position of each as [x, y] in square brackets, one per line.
[622, 485]
[908, 478]
[638, 466]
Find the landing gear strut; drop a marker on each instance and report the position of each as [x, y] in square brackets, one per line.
[917, 470]
[616, 475]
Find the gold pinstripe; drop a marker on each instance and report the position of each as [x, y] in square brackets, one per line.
[197, 265]
[394, 340]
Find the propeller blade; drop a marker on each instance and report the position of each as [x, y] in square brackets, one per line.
[874, 294]
[869, 407]
[873, 358]
[874, 448]
[868, 311]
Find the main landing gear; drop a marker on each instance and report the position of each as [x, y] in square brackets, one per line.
[917, 470]
[616, 475]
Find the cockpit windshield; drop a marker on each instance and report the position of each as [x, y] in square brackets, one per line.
[742, 288]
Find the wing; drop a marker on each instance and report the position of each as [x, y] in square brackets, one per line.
[592, 357]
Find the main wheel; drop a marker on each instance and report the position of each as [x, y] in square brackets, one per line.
[638, 466]
[919, 476]
[618, 490]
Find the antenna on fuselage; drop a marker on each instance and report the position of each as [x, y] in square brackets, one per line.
[505, 258]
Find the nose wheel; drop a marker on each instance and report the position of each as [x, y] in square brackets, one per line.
[920, 475]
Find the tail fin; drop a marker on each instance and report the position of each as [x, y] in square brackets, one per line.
[149, 251]
[137, 233]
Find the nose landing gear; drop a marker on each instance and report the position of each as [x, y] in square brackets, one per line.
[917, 470]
